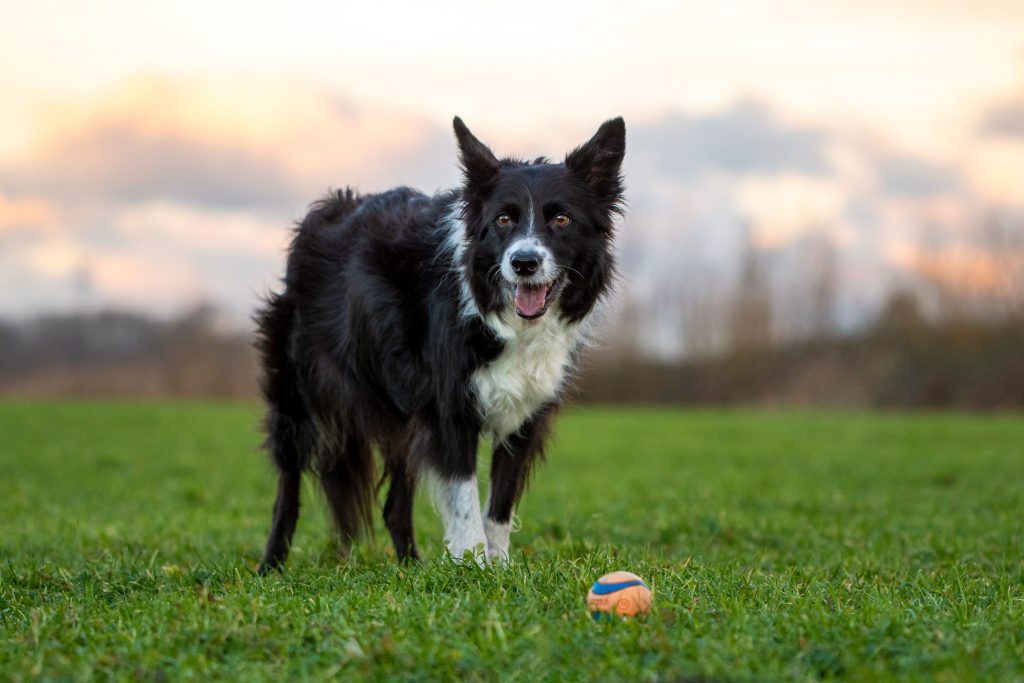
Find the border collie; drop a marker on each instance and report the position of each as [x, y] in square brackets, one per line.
[416, 325]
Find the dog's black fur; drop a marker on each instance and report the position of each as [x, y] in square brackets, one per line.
[394, 301]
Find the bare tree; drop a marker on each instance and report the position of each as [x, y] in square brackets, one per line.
[751, 314]
[822, 284]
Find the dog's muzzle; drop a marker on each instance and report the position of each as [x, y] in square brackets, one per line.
[530, 270]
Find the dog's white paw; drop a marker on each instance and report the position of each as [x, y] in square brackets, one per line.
[468, 554]
[497, 541]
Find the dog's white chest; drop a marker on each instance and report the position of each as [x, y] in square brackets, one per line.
[527, 374]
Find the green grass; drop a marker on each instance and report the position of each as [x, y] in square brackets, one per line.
[780, 546]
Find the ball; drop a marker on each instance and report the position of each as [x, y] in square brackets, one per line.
[622, 594]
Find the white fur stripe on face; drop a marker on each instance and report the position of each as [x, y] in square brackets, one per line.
[530, 227]
[458, 502]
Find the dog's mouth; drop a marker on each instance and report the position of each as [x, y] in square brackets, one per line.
[532, 300]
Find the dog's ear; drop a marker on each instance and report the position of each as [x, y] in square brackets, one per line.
[478, 162]
[599, 160]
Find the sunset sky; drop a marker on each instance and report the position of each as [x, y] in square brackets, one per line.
[153, 156]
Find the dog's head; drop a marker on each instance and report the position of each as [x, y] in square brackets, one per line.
[538, 234]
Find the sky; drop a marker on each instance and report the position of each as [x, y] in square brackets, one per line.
[154, 156]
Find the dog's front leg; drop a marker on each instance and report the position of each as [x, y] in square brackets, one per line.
[452, 464]
[458, 501]
[510, 468]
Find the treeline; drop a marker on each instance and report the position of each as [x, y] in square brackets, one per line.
[902, 360]
[899, 362]
[121, 354]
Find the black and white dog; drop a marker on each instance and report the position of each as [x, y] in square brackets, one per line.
[418, 324]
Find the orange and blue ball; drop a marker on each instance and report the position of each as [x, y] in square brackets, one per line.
[622, 594]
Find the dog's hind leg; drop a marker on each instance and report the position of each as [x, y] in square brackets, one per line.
[398, 509]
[286, 515]
[399, 506]
[510, 469]
[286, 443]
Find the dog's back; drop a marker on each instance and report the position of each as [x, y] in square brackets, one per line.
[354, 294]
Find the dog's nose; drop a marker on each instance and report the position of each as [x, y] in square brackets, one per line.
[526, 262]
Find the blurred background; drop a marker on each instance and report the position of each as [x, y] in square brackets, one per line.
[825, 199]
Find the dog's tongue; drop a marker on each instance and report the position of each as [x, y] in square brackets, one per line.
[530, 299]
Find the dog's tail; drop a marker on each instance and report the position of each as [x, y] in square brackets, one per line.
[348, 474]
[274, 324]
[291, 434]
[298, 440]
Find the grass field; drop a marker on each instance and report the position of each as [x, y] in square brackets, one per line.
[780, 546]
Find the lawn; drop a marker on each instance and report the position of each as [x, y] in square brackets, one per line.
[780, 546]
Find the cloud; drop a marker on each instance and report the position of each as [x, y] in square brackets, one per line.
[782, 208]
[120, 161]
[1004, 120]
[913, 176]
[156, 256]
[17, 215]
[744, 139]
[220, 145]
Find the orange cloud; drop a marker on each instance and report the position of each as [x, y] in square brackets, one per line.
[997, 170]
[966, 270]
[30, 212]
[784, 207]
[223, 142]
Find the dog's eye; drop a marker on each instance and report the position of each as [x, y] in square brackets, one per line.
[504, 220]
[562, 220]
